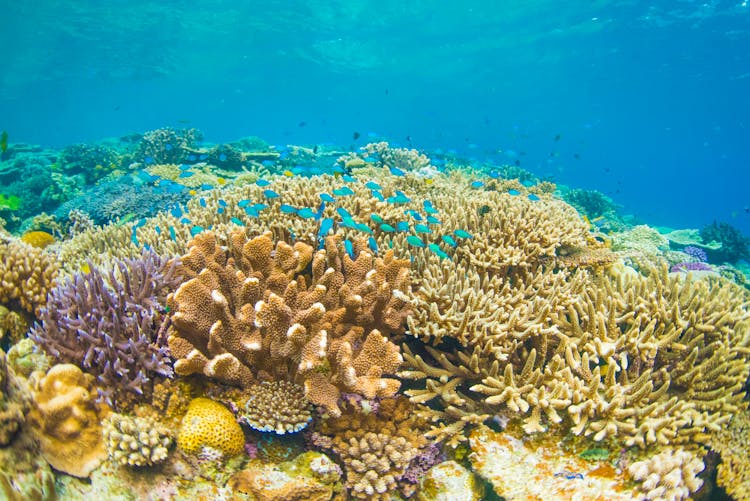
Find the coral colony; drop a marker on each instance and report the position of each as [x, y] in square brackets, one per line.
[182, 320]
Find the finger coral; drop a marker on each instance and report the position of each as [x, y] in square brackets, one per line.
[66, 417]
[669, 475]
[279, 311]
[135, 441]
[109, 324]
[27, 274]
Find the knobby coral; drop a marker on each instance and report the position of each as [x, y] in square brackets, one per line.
[109, 324]
[257, 310]
[27, 274]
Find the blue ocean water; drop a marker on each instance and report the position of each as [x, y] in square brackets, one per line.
[644, 101]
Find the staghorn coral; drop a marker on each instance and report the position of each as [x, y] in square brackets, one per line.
[109, 325]
[208, 427]
[255, 308]
[670, 475]
[276, 406]
[376, 448]
[399, 158]
[135, 441]
[167, 145]
[27, 274]
[66, 417]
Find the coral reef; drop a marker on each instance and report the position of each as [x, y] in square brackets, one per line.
[398, 158]
[276, 406]
[27, 274]
[734, 246]
[209, 427]
[592, 203]
[167, 145]
[66, 418]
[89, 160]
[448, 481]
[640, 240]
[376, 448]
[251, 309]
[135, 441]
[310, 476]
[670, 475]
[13, 325]
[14, 403]
[109, 325]
[732, 442]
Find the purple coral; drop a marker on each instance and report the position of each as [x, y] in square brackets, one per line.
[110, 324]
[691, 266]
[696, 252]
[422, 462]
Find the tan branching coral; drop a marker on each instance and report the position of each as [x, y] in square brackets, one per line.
[136, 441]
[732, 443]
[671, 475]
[258, 309]
[27, 274]
[276, 406]
[399, 158]
[376, 448]
[66, 418]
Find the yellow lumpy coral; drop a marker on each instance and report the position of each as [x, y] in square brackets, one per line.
[208, 424]
[38, 239]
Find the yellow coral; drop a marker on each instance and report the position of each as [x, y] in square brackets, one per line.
[208, 424]
[38, 239]
[26, 275]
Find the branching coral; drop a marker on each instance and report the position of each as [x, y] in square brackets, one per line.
[109, 324]
[399, 158]
[255, 309]
[167, 145]
[135, 441]
[671, 475]
[732, 443]
[27, 274]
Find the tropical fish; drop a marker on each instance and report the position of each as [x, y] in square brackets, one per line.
[220, 210]
[428, 208]
[251, 211]
[349, 248]
[476, 184]
[237, 221]
[243, 203]
[176, 211]
[202, 202]
[202, 157]
[270, 194]
[172, 233]
[402, 226]
[206, 186]
[428, 181]
[196, 229]
[414, 241]
[373, 244]
[494, 174]
[421, 228]
[157, 230]
[262, 182]
[433, 220]
[327, 198]
[483, 210]
[438, 251]
[222, 202]
[378, 195]
[192, 158]
[343, 191]
[416, 215]
[185, 220]
[372, 185]
[514, 193]
[396, 171]
[387, 228]
[348, 178]
[306, 213]
[449, 240]
[348, 222]
[193, 193]
[260, 207]
[344, 213]
[221, 181]
[533, 197]
[376, 218]
[462, 234]
[399, 198]
[326, 225]
[364, 228]
[185, 167]
[288, 173]
[287, 209]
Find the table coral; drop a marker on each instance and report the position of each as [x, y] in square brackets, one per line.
[136, 441]
[276, 406]
[275, 310]
[209, 426]
[27, 274]
[66, 418]
[670, 475]
[109, 324]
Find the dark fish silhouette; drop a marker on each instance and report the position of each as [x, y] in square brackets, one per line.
[356, 135]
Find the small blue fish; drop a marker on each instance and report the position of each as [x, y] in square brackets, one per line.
[462, 234]
[172, 233]
[243, 203]
[376, 218]
[348, 222]
[195, 230]
[449, 240]
[202, 157]
[171, 187]
[202, 202]
[141, 222]
[387, 228]
[533, 197]
[237, 221]
[134, 239]
[514, 193]
[395, 171]
[438, 251]
[433, 220]
[220, 210]
[476, 184]
[348, 178]
[145, 177]
[306, 213]
[327, 198]
[415, 241]
[267, 163]
[402, 226]
[399, 198]
[222, 158]
[372, 244]
[270, 194]
[378, 195]
[416, 215]
[260, 207]
[349, 248]
[428, 208]
[326, 225]
[287, 209]
[343, 191]
[364, 228]
[222, 202]
[528, 183]
[168, 147]
[185, 220]
[185, 167]
[262, 182]
[343, 213]
[251, 211]
[421, 228]
[192, 158]
[176, 211]
[494, 174]
[157, 230]
[373, 185]
[206, 186]
[149, 160]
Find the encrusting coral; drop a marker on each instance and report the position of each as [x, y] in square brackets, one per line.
[66, 418]
[671, 475]
[109, 324]
[254, 310]
[276, 406]
[136, 441]
[208, 427]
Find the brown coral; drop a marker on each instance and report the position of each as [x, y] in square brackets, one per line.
[27, 274]
[66, 418]
[258, 309]
[276, 406]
